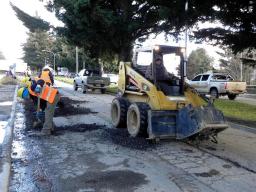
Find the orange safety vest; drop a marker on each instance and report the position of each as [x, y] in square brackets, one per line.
[32, 92]
[48, 93]
[46, 77]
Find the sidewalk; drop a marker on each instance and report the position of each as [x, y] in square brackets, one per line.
[7, 114]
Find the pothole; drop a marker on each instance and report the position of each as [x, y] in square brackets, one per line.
[210, 173]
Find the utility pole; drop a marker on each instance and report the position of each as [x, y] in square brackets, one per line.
[54, 57]
[186, 40]
[77, 64]
[241, 68]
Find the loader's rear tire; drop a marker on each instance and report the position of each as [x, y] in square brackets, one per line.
[119, 108]
[137, 119]
[232, 96]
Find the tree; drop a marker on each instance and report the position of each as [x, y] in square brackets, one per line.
[33, 49]
[198, 62]
[238, 30]
[106, 27]
[2, 56]
[32, 23]
[232, 63]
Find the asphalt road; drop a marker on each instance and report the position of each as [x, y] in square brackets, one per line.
[88, 154]
[248, 99]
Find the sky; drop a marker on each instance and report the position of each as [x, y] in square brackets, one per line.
[13, 34]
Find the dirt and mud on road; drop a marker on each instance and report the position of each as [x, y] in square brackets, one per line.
[87, 154]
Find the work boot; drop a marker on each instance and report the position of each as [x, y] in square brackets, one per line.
[37, 125]
[46, 131]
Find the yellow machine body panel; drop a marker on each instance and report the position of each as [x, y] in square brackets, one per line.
[148, 92]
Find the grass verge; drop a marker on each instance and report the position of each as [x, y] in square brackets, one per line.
[64, 79]
[8, 81]
[112, 89]
[237, 112]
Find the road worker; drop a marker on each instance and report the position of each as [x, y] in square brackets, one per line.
[40, 90]
[47, 76]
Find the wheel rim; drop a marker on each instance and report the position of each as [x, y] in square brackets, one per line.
[115, 114]
[132, 123]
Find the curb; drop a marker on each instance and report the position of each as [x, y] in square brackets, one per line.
[7, 147]
[242, 127]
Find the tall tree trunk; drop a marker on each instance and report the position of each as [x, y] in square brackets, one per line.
[125, 53]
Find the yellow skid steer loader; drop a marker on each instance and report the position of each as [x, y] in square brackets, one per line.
[154, 103]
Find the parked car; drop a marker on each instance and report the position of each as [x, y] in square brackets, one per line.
[218, 84]
[91, 79]
[113, 77]
[71, 75]
[63, 71]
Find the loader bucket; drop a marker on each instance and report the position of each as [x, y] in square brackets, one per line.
[186, 122]
[204, 120]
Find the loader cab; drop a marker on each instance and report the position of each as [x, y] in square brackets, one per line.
[169, 78]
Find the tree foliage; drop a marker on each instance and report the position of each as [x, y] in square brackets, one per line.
[32, 23]
[238, 29]
[33, 48]
[232, 63]
[112, 26]
[198, 62]
[106, 27]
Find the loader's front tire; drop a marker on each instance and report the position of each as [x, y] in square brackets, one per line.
[137, 119]
[119, 108]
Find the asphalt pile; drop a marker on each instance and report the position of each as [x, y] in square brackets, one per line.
[78, 128]
[122, 138]
[67, 107]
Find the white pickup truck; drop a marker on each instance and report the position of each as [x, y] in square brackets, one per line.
[91, 79]
[218, 84]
